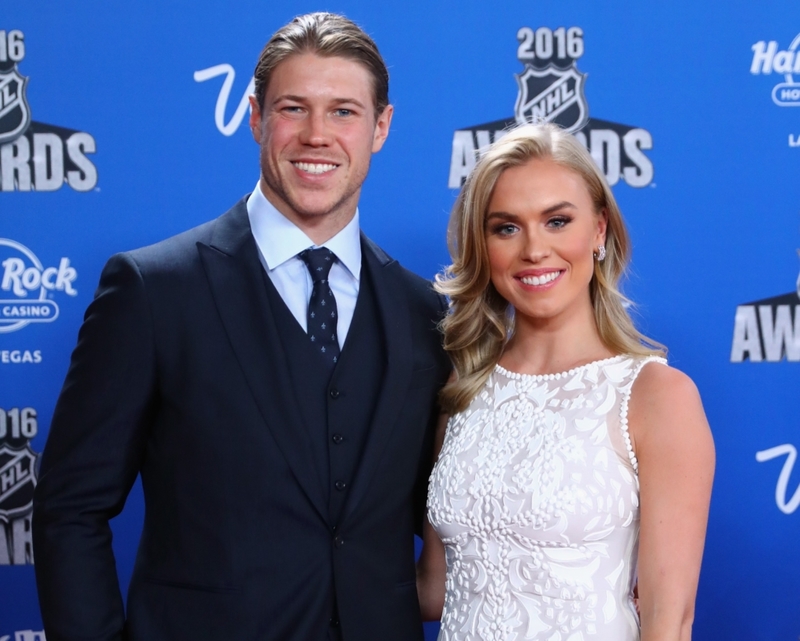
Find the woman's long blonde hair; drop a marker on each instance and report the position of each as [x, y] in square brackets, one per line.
[480, 321]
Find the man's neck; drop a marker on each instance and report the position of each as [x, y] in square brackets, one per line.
[320, 228]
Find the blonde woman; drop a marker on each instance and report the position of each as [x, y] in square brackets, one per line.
[575, 462]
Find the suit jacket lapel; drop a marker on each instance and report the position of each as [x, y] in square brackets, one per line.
[393, 308]
[236, 277]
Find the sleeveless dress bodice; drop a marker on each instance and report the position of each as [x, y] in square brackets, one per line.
[535, 496]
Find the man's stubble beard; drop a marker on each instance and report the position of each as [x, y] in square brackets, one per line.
[276, 188]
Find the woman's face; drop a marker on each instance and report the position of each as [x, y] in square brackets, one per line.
[541, 232]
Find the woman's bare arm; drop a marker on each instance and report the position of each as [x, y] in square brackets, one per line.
[431, 566]
[673, 444]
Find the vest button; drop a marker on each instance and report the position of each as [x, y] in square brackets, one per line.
[337, 438]
[340, 485]
[334, 392]
[338, 541]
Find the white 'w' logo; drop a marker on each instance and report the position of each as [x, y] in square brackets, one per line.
[787, 507]
[222, 100]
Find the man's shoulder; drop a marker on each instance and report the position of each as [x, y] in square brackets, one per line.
[174, 246]
[420, 290]
[180, 250]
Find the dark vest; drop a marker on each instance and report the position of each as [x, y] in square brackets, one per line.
[337, 408]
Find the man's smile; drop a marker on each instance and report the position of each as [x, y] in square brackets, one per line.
[314, 167]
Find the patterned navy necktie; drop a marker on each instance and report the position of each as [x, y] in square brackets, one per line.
[322, 315]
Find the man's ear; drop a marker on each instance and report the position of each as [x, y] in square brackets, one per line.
[382, 128]
[255, 118]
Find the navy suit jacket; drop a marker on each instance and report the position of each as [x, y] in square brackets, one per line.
[179, 375]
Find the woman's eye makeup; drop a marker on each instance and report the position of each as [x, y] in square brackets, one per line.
[503, 229]
[508, 228]
[559, 221]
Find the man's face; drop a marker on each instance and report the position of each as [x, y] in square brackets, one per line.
[317, 132]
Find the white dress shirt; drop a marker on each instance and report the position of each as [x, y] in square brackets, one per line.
[279, 242]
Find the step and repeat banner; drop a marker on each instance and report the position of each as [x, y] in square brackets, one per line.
[125, 123]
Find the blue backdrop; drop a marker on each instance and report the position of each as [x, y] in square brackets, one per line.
[121, 124]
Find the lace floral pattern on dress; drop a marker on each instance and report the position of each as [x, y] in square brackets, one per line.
[536, 498]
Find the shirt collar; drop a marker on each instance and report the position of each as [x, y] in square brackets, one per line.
[279, 239]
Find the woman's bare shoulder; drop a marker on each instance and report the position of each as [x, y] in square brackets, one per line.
[665, 403]
[659, 382]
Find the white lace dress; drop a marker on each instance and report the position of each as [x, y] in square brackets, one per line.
[536, 498]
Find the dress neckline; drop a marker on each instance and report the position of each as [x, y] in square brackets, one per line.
[556, 375]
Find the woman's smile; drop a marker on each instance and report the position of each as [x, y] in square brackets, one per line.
[541, 232]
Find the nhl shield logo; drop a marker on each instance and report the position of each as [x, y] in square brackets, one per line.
[552, 95]
[15, 114]
[17, 481]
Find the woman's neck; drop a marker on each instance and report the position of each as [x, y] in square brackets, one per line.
[545, 346]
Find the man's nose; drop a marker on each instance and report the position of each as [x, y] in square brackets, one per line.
[316, 131]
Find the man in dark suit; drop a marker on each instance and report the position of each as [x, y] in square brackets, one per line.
[272, 375]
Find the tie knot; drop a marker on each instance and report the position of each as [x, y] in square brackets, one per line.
[319, 262]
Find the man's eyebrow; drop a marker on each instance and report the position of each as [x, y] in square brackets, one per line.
[289, 96]
[304, 99]
[348, 101]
